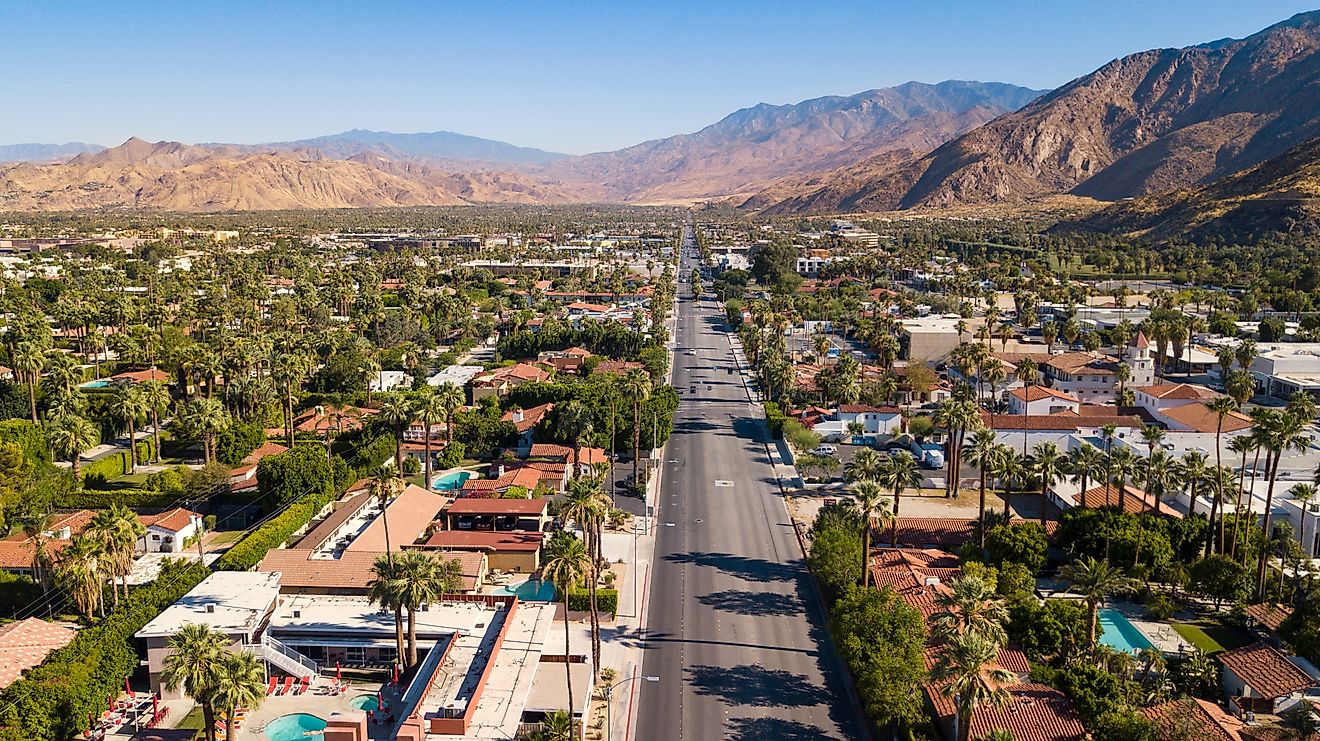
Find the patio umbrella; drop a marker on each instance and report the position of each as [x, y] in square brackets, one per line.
[110, 703]
[155, 704]
[396, 674]
[339, 672]
[127, 689]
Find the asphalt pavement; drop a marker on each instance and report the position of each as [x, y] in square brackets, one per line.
[735, 631]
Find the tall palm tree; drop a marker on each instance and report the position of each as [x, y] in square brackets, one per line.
[1281, 432]
[985, 448]
[870, 501]
[127, 404]
[1084, 462]
[385, 484]
[383, 590]
[1121, 466]
[636, 385]
[206, 418]
[1047, 465]
[958, 416]
[193, 660]
[430, 408]
[396, 413]
[970, 606]
[35, 524]
[81, 572]
[116, 531]
[566, 568]
[1242, 445]
[865, 465]
[1222, 407]
[68, 436]
[574, 424]
[28, 361]
[239, 682]
[1028, 373]
[1192, 471]
[1096, 580]
[419, 581]
[587, 506]
[156, 398]
[900, 472]
[967, 671]
[1152, 436]
[451, 400]
[288, 371]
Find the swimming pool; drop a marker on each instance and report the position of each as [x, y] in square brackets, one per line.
[452, 481]
[532, 590]
[1119, 633]
[295, 727]
[365, 702]
[94, 384]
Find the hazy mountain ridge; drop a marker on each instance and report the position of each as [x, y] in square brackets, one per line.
[34, 152]
[1146, 123]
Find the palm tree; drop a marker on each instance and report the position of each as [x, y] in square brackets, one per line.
[239, 682]
[1121, 466]
[1028, 373]
[419, 580]
[900, 472]
[385, 485]
[206, 418]
[383, 590]
[430, 408]
[566, 568]
[156, 398]
[1222, 407]
[1096, 580]
[193, 661]
[1084, 461]
[636, 385]
[1242, 445]
[117, 531]
[81, 572]
[1281, 432]
[574, 424]
[451, 399]
[34, 524]
[870, 501]
[1047, 465]
[1160, 475]
[1152, 436]
[1193, 471]
[28, 361]
[865, 465]
[967, 672]
[985, 448]
[1008, 468]
[288, 371]
[957, 416]
[970, 606]
[396, 413]
[587, 505]
[557, 726]
[127, 404]
[68, 436]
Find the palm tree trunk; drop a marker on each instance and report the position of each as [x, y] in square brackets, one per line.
[898, 494]
[132, 448]
[981, 515]
[155, 434]
[1237, 505]
[32, 396]
[866, 550]
[426, 483]
[208, 717]
[1272, 470]
[398, 636]
[568, 674]
[412, 636]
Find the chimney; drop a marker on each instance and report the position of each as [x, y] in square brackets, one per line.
[501, 472]
[517, 415]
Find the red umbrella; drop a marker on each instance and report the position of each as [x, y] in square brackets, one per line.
[396, 674]
[110, 703]
[127, 689]
[155, 703]
[339, 672]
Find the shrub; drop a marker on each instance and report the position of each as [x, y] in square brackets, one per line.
[775, 418]
[452, 455]
[249, 551]
[607, 600]
[836, 561]
[1160, 606]
[1021, 542]
[17, 592]
[238, 441]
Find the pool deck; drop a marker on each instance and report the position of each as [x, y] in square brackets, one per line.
[1161, 635]
[437, 475]
[315, 702]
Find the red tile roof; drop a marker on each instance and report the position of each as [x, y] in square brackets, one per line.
[1197, 416]
[1059, 421]
[1135, 501]
[865, 409]
[1036, 393]
[482, 506]
[408, 516]
[1266, 670]
[1036, 712]
[1191, 718]
[1268, 614]
[24, 644]
[173, 520]
[351, 571]
[916, 576]
[1185, 391]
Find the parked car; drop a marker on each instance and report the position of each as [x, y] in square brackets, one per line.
[825, 449]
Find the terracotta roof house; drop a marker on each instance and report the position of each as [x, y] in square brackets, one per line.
[519, 552]
[501, 381]
[1260, 677]
[617, 367]
[1194, 718]
[1040, 400]
[1134, 500]
[142, 376]
[1197, 417]
[25, 643]
[1035, 712]
[324, 420]
[349, 574]
[949, 533]
[918, 577]
[247, 469]
[168, 531]
[1268, 615]
[409, 515]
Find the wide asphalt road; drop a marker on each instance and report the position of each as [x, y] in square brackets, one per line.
[734, 632]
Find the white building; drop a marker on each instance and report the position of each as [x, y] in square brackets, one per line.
[389, 380]
[168, 531]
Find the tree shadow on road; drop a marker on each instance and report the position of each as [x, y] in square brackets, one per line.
[749, 569]
[779, 729]
[748, 684]
[744, 602]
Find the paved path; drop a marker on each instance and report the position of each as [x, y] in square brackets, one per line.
[734, 630]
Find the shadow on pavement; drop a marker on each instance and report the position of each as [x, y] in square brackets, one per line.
[749, 569]
[780, 729]
[744, 602]
[748, 684]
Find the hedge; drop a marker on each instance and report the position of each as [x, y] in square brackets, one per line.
[607, 600]
[116, 464]
[54, 700]
[248, 552]
[131, 497]
[775, 418]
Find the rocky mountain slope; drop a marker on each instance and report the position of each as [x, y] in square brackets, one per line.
[181, 177]
[753, 146]
[1279, 198]
[1146, 123]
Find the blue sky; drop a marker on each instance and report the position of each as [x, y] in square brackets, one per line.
[571, 77]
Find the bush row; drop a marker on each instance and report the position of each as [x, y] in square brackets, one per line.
[607, 600]
[115, 465]
[55, 699]
[775, 417]
[249, 551]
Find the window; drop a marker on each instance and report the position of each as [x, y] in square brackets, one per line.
[355, 654]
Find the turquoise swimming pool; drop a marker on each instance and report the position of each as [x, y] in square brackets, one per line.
[1118, 633]
[94, 384]
[532, 590]
[452, 481]
[295, 727]
[365, 702]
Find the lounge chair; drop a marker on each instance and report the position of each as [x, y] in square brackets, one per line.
[288, 683]
[304, 684]
[270, 688]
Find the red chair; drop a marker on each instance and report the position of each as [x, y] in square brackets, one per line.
[270, 688]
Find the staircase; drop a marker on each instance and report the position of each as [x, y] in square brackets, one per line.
[284, 658]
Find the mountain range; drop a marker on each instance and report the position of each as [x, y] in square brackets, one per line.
[1160, 125]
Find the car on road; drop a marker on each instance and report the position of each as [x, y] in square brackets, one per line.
[690, 352]
[826, 449]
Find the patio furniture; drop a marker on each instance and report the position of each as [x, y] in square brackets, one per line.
[288, 683]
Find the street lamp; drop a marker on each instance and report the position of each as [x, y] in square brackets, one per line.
[609, 696]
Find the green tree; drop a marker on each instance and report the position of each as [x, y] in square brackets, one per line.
[290, 475]
[871, 503]
[837, 559]
[239, 682]
[1220, 578]
[193, 661]
[967, 671]
[383, 590]
[421, 578]
[1095, 580]
[901, 472]
[636, 385]
[970, 606]
[70, 435]
[1020, 542]
[565, 567]
[128, 404]
[882, 640]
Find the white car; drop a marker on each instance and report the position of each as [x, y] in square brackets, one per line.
[825, 450]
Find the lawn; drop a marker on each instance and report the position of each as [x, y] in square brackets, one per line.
[192, 721]
[225, 536]
[1212, 637]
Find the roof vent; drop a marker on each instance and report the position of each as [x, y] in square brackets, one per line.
[932, 581]
[210, 608]
[297, 613]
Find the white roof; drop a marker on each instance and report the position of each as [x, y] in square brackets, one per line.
[228, 601]
[459, 375]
